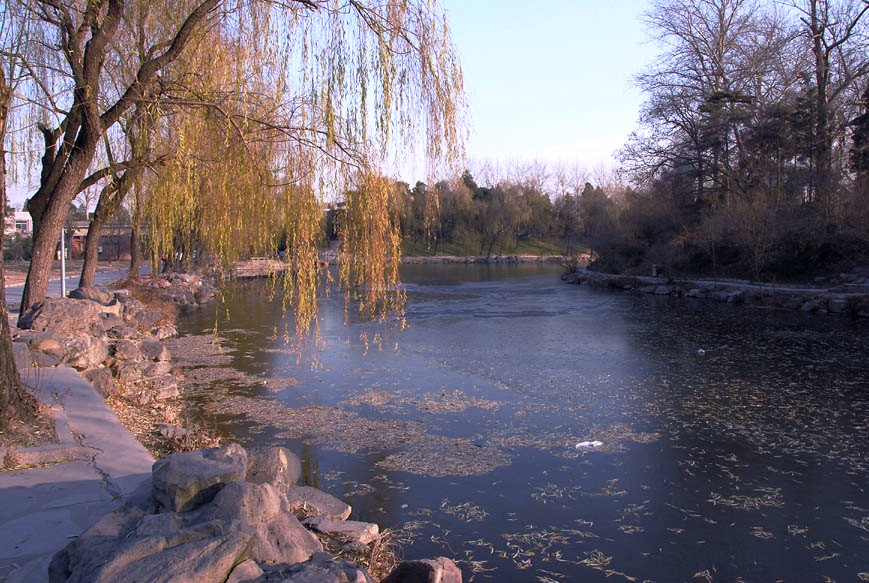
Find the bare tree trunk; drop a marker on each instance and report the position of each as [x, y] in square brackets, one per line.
[15, 403]
[110, 199]
[91, 253]
[821, 150]
[45, 242]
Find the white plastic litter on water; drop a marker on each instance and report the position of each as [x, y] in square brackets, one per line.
[588, 444]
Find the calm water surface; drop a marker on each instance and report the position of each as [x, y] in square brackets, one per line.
[747, 462]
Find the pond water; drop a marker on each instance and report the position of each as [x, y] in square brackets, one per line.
[732, 440]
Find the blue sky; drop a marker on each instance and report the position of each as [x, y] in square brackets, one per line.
[550, 80]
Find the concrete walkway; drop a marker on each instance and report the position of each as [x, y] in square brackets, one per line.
[96, 464]
[14, 292]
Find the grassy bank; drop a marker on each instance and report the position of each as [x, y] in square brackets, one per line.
[464, 249]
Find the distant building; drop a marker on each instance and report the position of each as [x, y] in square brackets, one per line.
[19, 223]
[114, 241]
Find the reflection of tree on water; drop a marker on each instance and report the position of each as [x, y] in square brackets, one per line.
[708, 461]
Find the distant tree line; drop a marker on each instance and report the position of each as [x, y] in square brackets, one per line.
[504, 215]
[752, 152]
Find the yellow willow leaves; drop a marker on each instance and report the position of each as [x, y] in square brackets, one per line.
[371, 248]
[280, 108]
[303, 220]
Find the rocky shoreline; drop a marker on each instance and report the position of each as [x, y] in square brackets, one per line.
[846, 295]
[216, 514]
[234, 515]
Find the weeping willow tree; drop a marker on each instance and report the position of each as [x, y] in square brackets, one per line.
[270, 108]
[317, 93]
[299, 108]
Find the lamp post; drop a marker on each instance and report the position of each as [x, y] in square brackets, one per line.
[63, 262]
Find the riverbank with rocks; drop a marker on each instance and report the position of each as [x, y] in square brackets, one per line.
[846, 294]
[234, 515]
[116, 340]
[215, 514]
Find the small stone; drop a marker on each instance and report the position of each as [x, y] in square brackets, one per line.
[166, 387]
[172, 431]
[245, 572]
[164, 332]
[126, 350]
[121, 331]
[102, 380]
[277, 466]
[322, 503]
[320, 568]
[153, 349]
[186, 480]
[157, 369]
[364, 532]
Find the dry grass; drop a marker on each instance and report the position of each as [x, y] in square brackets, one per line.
[140, 415]
[150, 296]
[379, 557]
[35, 432]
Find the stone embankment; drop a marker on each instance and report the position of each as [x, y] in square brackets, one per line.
[111, 337]
[227, 514]
[848, 294]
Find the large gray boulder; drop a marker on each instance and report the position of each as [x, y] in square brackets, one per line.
[94, 294]
[246, 532]
[276, 535]
[83, 351]
[21, 355]
[66, 316]
[185, 480]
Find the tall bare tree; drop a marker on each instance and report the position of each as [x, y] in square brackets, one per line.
[839, 43]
